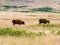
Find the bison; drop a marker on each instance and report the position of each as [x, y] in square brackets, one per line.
[17, 21]
[43, 21]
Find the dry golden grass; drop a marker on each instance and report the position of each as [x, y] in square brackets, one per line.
[49, 39]
[29, 19]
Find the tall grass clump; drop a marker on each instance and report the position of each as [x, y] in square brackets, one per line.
[58, 32]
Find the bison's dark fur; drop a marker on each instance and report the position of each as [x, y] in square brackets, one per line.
[43, 21]
[17, 21]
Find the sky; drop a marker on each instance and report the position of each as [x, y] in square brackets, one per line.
[32, 3]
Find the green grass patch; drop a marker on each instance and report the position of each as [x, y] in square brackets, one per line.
[46, 25]
[9, 31]
[43, 9]
[58, 32]
[6, 19]
[24, 33]
[15, 32]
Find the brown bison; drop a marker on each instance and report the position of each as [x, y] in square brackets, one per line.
[17, 21]
[43, 21]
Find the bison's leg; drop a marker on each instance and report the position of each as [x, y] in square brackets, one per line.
[13, 23]
[40, 22]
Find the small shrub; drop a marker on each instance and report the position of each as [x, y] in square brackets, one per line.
[58, 32]
[43, 9]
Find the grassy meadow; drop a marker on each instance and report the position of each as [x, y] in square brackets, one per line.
[32, 33]
[9, 36]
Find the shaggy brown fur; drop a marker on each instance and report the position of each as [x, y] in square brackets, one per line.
[17, 21]
[44, 21]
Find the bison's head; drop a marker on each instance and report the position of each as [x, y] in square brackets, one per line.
[23, 23]
[48, 21]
